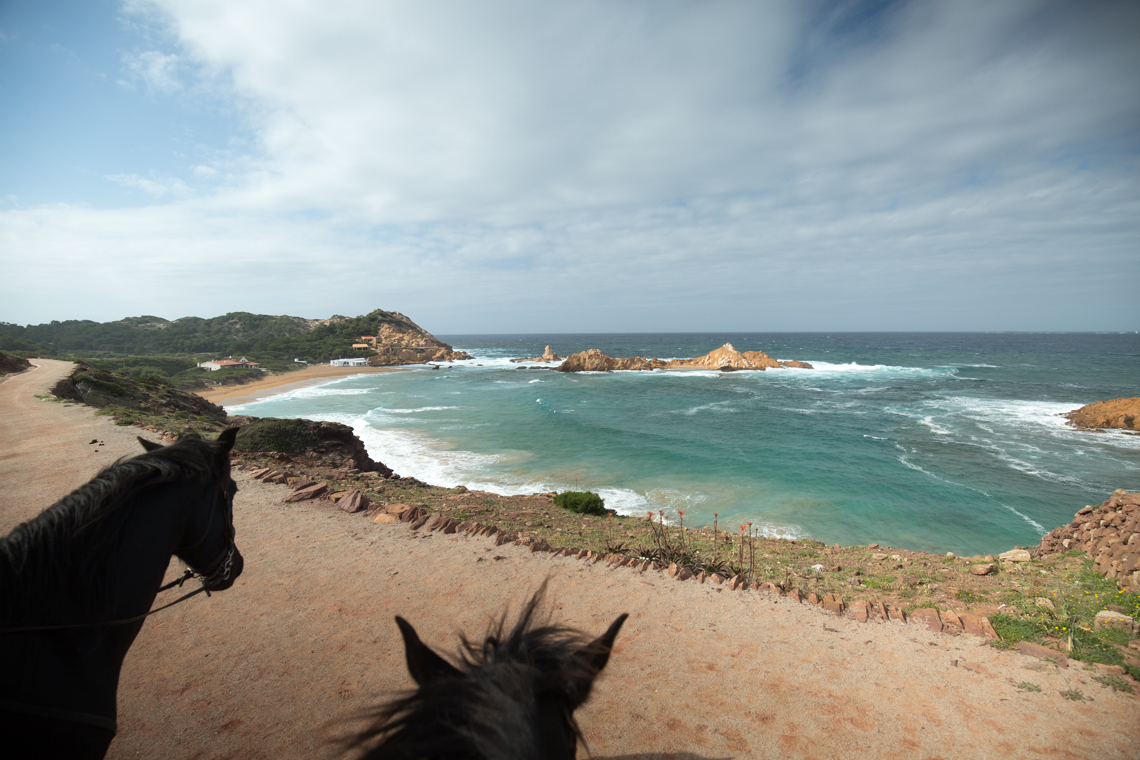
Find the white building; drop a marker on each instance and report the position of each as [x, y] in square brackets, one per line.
[357, 362]
[228, 363]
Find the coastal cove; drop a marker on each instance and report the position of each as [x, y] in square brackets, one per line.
[934, 442]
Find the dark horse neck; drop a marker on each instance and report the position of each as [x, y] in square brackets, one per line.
[89, 658]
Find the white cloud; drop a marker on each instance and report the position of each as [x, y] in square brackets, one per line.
[159, 71]
[934, 166]
[157, 188]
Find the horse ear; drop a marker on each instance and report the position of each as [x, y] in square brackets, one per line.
[594, 656]
[149, 445]
[423, 663]
[226, 439]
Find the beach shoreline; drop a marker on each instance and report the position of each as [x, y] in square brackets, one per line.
[274, 385]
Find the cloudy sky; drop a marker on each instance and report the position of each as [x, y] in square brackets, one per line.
[574, 166]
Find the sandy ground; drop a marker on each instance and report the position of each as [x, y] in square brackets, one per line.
[277, 665]
[231, 395]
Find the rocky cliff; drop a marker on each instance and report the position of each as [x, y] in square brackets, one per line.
[1118, 413]
[402, 341]
[1109, 532]
[326, 444]
[724, 358]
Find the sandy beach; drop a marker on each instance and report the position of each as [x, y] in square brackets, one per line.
[279, 664]
[231, 395]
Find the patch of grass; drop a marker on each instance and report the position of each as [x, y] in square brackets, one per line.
[1026, 686]
[1074, 694]
[279, 436]
[969, 597]
[1073, 553]
[461, 516]
[582, 502]
[1115, 636]
[1116, 683]
[1015, 629]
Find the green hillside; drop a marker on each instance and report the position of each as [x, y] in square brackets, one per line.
[149, 347]
[263, 338]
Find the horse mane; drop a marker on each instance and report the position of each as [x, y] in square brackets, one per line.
[73, 542]
[488, 712]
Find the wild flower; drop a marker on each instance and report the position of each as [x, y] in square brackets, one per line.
[714, 537]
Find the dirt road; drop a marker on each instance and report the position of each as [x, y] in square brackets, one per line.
[275, 666]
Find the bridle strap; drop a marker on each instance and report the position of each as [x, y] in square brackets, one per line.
[125, 621]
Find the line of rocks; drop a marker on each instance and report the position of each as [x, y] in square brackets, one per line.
[947, 621]
[1109, 532]
[350, 501]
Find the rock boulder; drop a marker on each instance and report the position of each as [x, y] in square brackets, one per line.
[1118, 413]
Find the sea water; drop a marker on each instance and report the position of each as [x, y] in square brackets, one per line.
[939, 442]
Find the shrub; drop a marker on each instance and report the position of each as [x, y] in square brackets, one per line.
[583, 502]
[279, 436]
[1016, 629]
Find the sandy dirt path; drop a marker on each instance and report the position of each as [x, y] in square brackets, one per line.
[275, 666]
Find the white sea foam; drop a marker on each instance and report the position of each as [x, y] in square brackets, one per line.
[821, 368]
[416, 410]
[716, 406]
[928, 421]
[1036, 525]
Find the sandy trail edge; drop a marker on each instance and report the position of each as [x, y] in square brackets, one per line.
[276, 665]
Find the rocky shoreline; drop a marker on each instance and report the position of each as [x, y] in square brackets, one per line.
[1114, 414]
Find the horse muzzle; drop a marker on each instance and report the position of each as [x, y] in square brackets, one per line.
[224, 572]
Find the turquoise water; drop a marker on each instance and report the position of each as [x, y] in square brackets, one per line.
[940, 442]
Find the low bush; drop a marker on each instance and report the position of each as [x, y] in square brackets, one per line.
[278, 436]
[583, 502]
[1010, 628]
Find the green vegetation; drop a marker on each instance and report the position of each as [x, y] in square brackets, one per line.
[1079, 596]
[277, 436]
[1027, 686]
[1074, 694]
[146, 400]
[1013, 629]
[582, 502]
[10, 363]
[1116, 683]
[263, 338]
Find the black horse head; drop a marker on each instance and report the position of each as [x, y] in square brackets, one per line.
[207, 540]
[511, 697]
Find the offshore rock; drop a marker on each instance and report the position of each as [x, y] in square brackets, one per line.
[593, 360]
[725, 358]
[1117, 413]
[547, 357]
[728, 356]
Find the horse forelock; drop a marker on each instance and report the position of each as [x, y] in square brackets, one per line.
[499, 707]
[72, 540]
